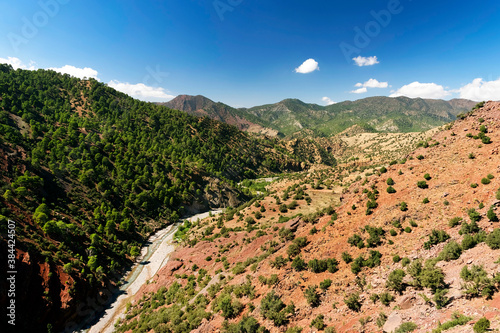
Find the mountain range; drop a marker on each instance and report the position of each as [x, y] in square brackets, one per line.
[292, 117]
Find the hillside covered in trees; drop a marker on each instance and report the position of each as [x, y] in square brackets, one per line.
[88, 173]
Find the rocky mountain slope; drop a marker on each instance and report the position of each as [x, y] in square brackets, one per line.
[412, 246]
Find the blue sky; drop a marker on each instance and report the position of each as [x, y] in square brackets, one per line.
[250, 52]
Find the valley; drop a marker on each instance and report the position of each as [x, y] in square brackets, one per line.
[340, 231]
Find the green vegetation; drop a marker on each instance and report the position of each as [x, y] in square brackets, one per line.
[436, 237]
[273, 308]
[451, 251]
[457, 319]
[395, 280]
[353, 302]
[482, 325]
[477, 283]
[422, 184]
[312, 296]
[406, 327]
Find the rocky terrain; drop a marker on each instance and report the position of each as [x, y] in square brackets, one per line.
[384, 249]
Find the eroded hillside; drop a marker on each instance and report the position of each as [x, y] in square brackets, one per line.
[406, 247]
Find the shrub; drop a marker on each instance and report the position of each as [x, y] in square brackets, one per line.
[420, 157]
[332, 265]
[454, 222]
[490, 176]
[485, 140]
[491, 215]
[393, 232]
[436, 237]
[390, 181]
[294, 329]
[408, 230]
[427, 176]
[386, 298]
[405, 261]
[278, 262]
[396, 258]
[477, 282]
[425, 201]
[469, 228]
[422, 184]
[293, 250]
[346, 257]
[472, 156]
[403, 206]
[317, 266]
[298, 264]
[395, 280]
[391, 190]
[482, 325]
[451, 251]
[312, 296]
[383, 170]
[249, 220]
[485, 181]
[493, 239]
[406, 327]
[283, 208]
[468, 242]
[353, 302]
[457, 320]
[440, 298]
[356, 240]
[273, 308]
[300, 241]
[473, 215]
[325, 284]
[318, 322]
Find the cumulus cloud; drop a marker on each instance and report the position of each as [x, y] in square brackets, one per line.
[480, 90]
[308, 66]
[371, 83]
[422, 90]
[360, 91]
[328, 100]
[142, 91]
[17, 63]
[80, 73]
[365, 61]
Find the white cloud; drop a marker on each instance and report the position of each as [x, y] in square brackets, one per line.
[308, 66]
[422, 90]
[328, 100]
[480, 90]
[142, 91]
[371, 83]
[77, 72]
[365, 61]
[17, 63]
[360, 91]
